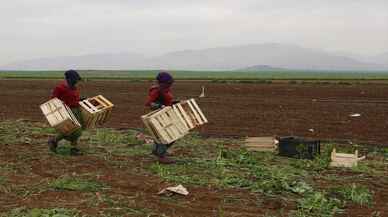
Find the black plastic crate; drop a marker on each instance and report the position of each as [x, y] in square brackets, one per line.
[297, 147]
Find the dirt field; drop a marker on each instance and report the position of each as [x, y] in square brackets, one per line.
[132, 178]
[313, 110]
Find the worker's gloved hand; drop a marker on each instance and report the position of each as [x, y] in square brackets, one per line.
[155, 106]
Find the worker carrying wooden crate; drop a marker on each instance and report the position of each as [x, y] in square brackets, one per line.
[68, 92]
[159, 96]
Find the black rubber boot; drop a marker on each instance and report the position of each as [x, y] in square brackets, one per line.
[53, 144]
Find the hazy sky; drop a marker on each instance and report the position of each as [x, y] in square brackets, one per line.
[44, 28]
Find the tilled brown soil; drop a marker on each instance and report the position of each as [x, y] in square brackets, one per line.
[232, 109]
[314, 110]
[34, 167]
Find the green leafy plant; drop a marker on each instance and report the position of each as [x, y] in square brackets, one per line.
[76, 184]
[317, 205]
[357, 194]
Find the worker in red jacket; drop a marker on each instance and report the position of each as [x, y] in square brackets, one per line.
[160, 95]
[68, 92]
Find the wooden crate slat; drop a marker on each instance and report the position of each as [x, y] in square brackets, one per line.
[104, 101]
[174, 121]
[178, 122]
[151, 129]
[86, 106]
[183, 116]
[197, 118]
[91, 106]
[204, 119]
[179, 116]
[164, 137]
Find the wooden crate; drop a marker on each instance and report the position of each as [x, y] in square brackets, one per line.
[60, 116]
[165, 125]
[190, 114]
[344, 160]
[95, 111]
[261, 144]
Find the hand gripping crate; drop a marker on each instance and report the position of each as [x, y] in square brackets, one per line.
[95, 111]
[60, 116]
[190, 114]
[165, 125]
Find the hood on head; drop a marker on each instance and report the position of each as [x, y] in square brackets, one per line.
[72, 77]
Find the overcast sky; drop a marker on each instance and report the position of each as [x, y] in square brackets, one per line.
[46, 28]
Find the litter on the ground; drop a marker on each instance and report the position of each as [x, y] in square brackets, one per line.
[177, 189]
[202, 95]
[355, 115]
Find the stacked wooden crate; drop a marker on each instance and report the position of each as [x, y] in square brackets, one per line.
[174, 122]
[60, 116]
[96, 111]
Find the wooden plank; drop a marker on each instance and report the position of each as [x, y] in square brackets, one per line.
[104, 101]
[86, 107]
[260, 144]
[199, 111]
[197, 117]
[164, 137]
[185, 116]
[91, 106]
[179, 123]
[178, 115]
[151, 129]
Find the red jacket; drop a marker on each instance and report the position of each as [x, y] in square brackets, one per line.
[70, 97]
[162, 97]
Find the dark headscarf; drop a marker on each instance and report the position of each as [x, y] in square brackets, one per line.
[165, 80]
[72, 77]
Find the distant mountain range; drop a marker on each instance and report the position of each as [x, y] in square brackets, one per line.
[272, 56]
[259, 68]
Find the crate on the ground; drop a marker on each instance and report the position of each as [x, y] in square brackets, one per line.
[190, 114]
[297, 147]
[261, 144]
[344, 160]
[165, 125]
[96, 111]
[60, 116]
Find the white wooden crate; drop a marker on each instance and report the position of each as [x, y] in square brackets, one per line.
[60, 116]
[344, 160]
[190, 114]
[165, 125]
[96, 111]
